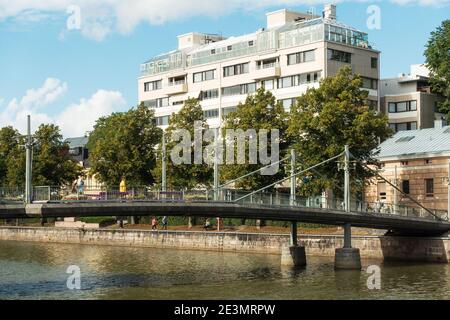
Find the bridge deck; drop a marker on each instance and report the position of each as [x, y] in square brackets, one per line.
[412, 225]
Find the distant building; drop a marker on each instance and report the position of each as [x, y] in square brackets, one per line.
[291, 54]
[421, 159]
[408, 100]
[78, 150]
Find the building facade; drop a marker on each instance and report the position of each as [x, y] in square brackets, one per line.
[408, 100]
[287, 57]
[418, 162]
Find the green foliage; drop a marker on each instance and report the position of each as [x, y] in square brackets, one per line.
[9, 152]
[326, 119]
[260, 111]
[184, 175]
[437, 55]
[52, 165]
[123, 145]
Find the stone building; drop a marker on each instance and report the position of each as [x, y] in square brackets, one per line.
[420, 160]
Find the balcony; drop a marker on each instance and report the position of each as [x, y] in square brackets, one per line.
[265, 71]
[176, 87]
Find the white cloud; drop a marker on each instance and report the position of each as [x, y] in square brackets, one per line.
[74, 120]
[99, 18]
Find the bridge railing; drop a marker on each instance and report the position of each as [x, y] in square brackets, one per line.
[276, 199]
[12, 194]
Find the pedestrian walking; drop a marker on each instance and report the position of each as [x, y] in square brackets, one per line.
[164, 222]
[207, 224]
[154, 223]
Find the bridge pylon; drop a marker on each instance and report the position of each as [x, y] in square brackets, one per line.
[347, 257]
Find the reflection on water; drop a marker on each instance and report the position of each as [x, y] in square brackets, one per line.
[38, 271]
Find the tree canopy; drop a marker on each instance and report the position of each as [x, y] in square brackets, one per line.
[327, 118]
[52, 165]
[123, 145]
[259, 111]
[185, 175]
[437, 55]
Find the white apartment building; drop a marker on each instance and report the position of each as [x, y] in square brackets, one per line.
[290, 55]
[408, 100]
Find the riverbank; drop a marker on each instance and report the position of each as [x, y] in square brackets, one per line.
[391, 248]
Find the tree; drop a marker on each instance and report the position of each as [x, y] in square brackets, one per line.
[259, 111]
[437, 55]
[185, 175]
[326, 119]
[52, 165]
[9, 146]
[122, 145]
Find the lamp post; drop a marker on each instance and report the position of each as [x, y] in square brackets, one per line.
[29, 164]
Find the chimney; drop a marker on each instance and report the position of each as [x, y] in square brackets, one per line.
[329, 12]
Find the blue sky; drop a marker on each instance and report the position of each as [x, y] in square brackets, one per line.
[71, 77]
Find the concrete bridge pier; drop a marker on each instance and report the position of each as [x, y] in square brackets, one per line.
[293, 255]
[347, 258]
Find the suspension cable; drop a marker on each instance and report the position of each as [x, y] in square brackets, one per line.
[289, 177]
[398, 189]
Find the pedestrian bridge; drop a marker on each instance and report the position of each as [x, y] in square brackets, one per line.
[232, 204]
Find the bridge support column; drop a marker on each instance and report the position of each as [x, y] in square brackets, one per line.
[347, 258]
[293, 255]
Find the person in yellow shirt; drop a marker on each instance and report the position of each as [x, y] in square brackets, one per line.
[123, 186]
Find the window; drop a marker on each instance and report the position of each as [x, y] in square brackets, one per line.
[227, 110]
[157, 103]
[269, 63]
[299, 79]
[373, 104]
[429, 187]
[381, 188]
[236, 69]
[209, 94]
[213, 51]
[152, 85]
[250, 43]
[405, 126]
[267, 84]
[405, 186]
[177, 80]
[300, 57]
[209, 114]
[339, 56]
[404, 163]
[176, 103]
[403, 106]
[288, 103]
[239, 89]
[229, 48]
[369, 83]
[374, 63]
[162, 121]
[428, 161]
[204, 76]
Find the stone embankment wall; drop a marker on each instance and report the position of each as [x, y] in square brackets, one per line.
[392, 248]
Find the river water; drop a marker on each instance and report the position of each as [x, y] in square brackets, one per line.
[38, 271]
